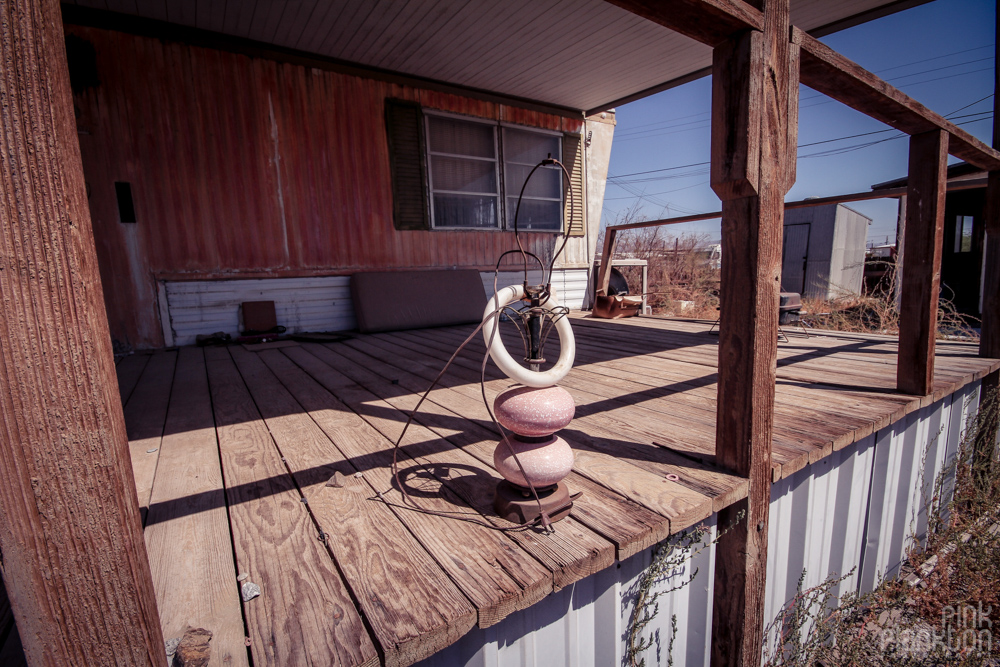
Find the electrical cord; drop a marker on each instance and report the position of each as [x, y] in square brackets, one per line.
[543, 518]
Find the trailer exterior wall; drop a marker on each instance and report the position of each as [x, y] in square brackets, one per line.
[248, 168]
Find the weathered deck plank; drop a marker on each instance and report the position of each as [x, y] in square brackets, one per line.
[145, 414]
[496, 575]
[600, 460]
[187, 528]
[409, 546]
[284, 419]
[454, 416]
[128, 371]
[571, 553]
[304, 614]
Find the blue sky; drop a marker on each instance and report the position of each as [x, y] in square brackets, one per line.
[941, 54]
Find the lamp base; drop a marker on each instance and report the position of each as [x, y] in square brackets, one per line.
[517, 504]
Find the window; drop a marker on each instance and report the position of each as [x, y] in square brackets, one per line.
[463, 174]
[457, 172]
[963, 233]
[541, 205]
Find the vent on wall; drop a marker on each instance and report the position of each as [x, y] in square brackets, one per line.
[126, 207]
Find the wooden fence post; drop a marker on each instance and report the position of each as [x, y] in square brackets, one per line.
[73, 557]
[921, 279]
[754, 89]
[607, 254]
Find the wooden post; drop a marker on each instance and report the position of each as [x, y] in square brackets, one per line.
[608, 252]
[73, 557]
[921, 280]
[989, 337]
[754, 88]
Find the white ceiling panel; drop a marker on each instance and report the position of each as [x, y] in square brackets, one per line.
[578, 54]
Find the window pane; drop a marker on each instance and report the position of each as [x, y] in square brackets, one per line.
[529, 147]
[544, 183]
[963, 233]
[465, 211]
[461, 137]
[535, 215]
[449, 173]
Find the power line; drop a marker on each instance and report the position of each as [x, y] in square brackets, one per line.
[829, 153]
[638, 130]
[617, 179]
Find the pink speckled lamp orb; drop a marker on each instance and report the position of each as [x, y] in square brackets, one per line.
[534, 414]
[546, 463]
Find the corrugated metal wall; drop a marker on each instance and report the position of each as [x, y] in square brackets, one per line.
[570, 284]
[858, 508]
[300, 304]
[585, 625]
[248, 168]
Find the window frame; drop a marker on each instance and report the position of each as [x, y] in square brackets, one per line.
[561, 227]
[428, 114]
[500, 172]
[960, 236]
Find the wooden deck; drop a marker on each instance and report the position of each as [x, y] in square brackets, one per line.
[233, 447]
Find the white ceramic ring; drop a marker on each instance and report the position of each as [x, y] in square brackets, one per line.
[506, 363]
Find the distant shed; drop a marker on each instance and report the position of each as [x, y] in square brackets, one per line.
[823, 251]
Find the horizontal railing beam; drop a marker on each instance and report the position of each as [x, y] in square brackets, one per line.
[830, 73]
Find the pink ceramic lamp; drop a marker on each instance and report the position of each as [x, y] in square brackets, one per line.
[533, 412]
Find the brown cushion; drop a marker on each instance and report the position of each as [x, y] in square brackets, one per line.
[397, 300]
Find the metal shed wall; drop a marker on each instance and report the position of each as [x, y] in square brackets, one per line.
[835, 258]
[858, 508]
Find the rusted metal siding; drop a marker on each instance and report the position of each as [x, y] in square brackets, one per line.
[245, 167]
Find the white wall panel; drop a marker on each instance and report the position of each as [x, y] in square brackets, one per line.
[570, 284]
[305, 304]
[816, 523]
[300, 304]
[908, 457]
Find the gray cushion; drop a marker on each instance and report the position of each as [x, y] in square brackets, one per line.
[397, 300]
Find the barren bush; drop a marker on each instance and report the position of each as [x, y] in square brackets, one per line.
[682, 279]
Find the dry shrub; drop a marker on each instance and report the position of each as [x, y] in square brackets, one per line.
[876, 312]
[682, 280]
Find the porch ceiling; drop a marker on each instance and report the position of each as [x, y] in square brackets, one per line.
[579, 54]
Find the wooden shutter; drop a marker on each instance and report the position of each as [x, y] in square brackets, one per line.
[573, 207]
[405, 131]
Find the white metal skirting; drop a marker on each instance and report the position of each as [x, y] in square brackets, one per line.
[570, 284]
[189, 308]
[300, 304]
[857, 509]
[585, 625]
